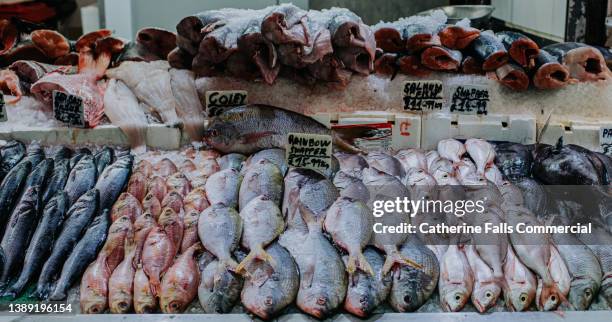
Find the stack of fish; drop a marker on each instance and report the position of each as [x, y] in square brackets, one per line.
[147, 262]
[307, 46]
[56, 212]
[418, 45]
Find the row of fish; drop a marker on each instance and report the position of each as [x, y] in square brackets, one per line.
[55, 214]
[418, 45]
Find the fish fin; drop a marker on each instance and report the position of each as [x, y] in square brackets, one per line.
[396, 258]
[252, 138]
[230, 264]
[308, 275]
[545, 127]
[358, 261]
[155, 285]
[258, 253]
[309, 216]
[342, 144]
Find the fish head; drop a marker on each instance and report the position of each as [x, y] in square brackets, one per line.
[174, 300]
[263, 302]
[121, 303]
[317, 305]
[93, 304]
[455, 298]
[582, 293]
[405, 297]
[520, 296]
[221, 135]
[485, 296]
[359, 302]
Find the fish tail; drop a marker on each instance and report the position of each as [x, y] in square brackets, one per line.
[230, 264]
[396, 258]
[155, 285]
[342, 144]
[58, 294]
[358, 261]
[258, 253]
[42, 291]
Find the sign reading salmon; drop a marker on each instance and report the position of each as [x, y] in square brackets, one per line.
[423, 95]
[2, 109]
[605, 139]
[305, 150]
[68, 108]
[469, 99]
[218, 101]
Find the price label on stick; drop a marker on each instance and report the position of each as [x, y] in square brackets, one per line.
[3, 117]
[218, 101]
[425, 95]
[305, 150]
[605, 139]
[68, 108]
[469, 99]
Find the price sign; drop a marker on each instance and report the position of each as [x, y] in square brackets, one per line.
[605, 139]
[3, 117]
[219, 101]
[68, 108]
[423, 95]
[469, 99]
[313, 151]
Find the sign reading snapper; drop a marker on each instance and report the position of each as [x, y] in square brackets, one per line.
[313, 151]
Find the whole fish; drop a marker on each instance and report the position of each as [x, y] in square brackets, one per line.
[366, 292]
[219, 288]
[113, 249]
[456, 279]
[563, 165]
[104, 158]
[208, 165]
[599, 241]
[39, 175]
[261, 178]
[151, 205]
[126, 205]
[520, 283]
[412, 287]
[266, 295]
[385, 163]
[12, 153]
[10, 189]
[83, 254]
[77, 220]
[19, 230]
[156, 186]
[349, 222]
[486, 288]
[94, 287]
[231, 161]
[57, 179]
[262, 222]
[35, 154]
[157, 256]
[137, 186]
[190, 229]
[82, 177]
[223, 187]
[323, 281]
[172, 224]
[180, 283]
[174, 201]
[196, 200]
[252, 128]
[220, 229]
[178, 182]
[142, 227]
[121, 281]
[113, 180]
[351, 187]
[144, 300]
[482, 152]
[42, 241]
[560, 275]
[275, 156]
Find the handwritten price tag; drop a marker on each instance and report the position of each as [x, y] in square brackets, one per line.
[68, 108]
[423, 95]
[469, 99]
[305, 150]
[219, 101]
[605, 139]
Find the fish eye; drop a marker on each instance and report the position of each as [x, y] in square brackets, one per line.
[523, 298]
[457, 297]
[407, 299]
[174, 305]
[213, 132]
[587, 293]
[488, 294]
[553, 298]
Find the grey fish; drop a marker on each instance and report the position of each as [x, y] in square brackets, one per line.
[113, 180]
[265, 294]
[35, 154]
[248, 129]
[534, 196]
[80, 153]
[11, 153]
[261, 178]
[42, 242]
[413, 287]
[84, 252]
[63, 152]
[562, 165]
[223, 187]
[17, 235]
[58, 177]
[104, 158]
[351, 187]
[11, 187]
[323, 280]
[220, 229]
[82, 177]
[317, 193]
[583, 267]
[219, 288]
[351, 163]
[365, 293]
[231, 161]
[293, 181]
[276, 156]
[385, 163]
[77, 220]
[39, 175]
[600, 243]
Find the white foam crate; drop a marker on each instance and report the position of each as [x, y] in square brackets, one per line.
[158, 136]
[406, 127]
[583, 133]
[513, 128]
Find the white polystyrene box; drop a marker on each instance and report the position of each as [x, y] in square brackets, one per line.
[583, 133]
